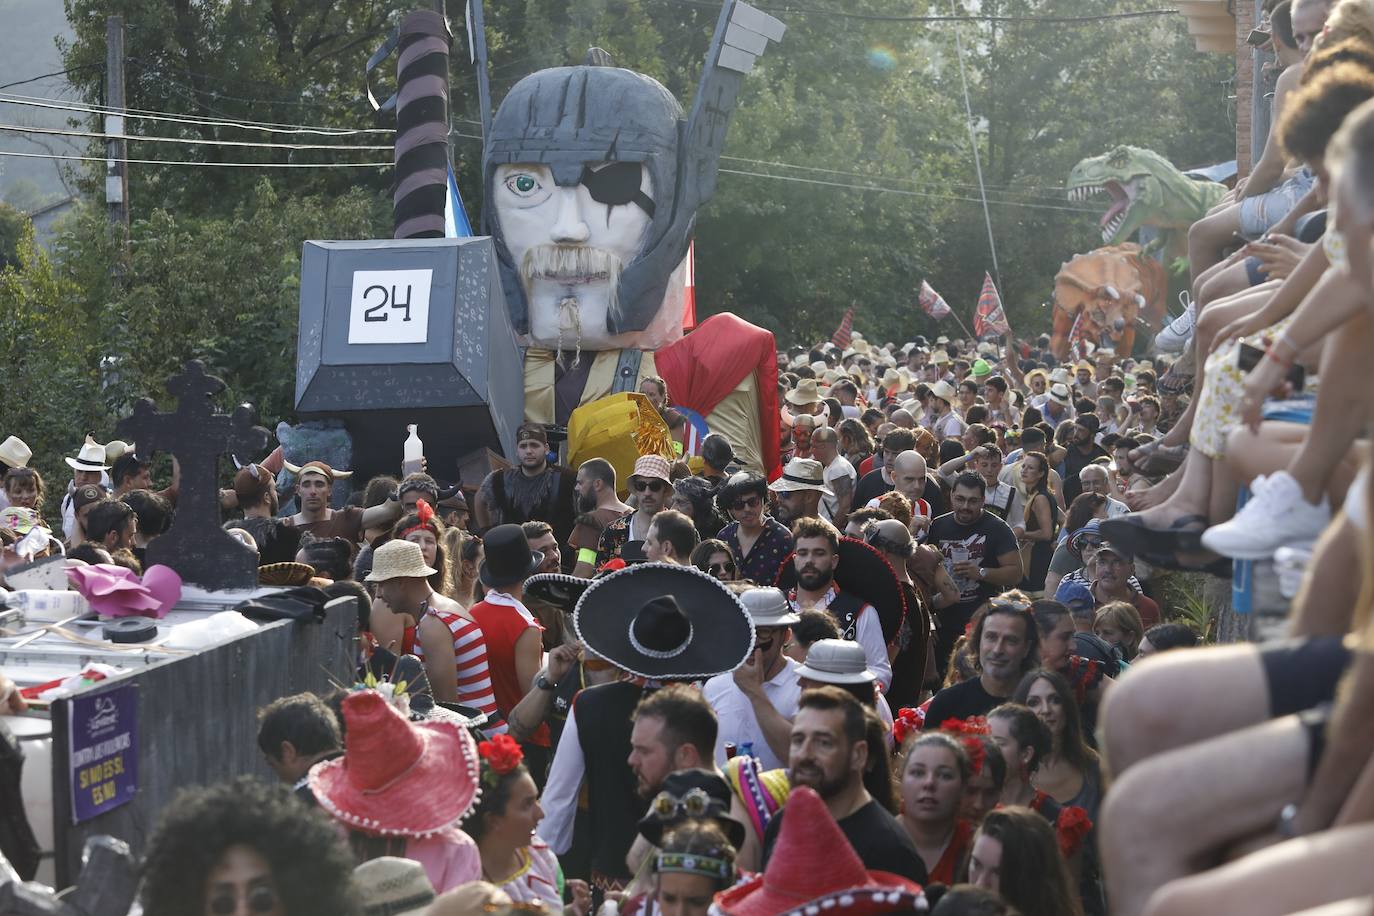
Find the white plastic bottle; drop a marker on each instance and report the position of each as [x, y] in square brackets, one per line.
[414, 459]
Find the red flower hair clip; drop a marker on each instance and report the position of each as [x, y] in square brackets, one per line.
[977, 754]
[1072, 828]
[907, 723]
[500, 755]
[973, 725]
[424, 510]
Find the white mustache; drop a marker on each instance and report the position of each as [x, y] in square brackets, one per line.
[580, 263]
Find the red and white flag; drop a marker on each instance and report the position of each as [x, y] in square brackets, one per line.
[689, 305]
[990, 317]
[844, 334]
[932, 302]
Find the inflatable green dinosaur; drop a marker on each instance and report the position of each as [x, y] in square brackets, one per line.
[1146, 190]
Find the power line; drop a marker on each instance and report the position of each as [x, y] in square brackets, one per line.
[874, 17]
[186, 140]
[152, 115]
[211, 165]
[34, 79]
[1010, 189]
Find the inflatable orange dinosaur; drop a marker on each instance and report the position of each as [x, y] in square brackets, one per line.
[1102, 297]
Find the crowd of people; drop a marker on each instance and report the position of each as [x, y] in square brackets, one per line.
[915, 671]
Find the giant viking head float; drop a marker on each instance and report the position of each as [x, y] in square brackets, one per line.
[593, 178]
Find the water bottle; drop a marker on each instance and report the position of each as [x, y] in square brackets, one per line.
[414, 452]
[43, 606]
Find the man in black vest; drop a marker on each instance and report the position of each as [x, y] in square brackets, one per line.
[534, 490]
[816, 557]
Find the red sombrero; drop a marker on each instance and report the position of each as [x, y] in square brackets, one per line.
[812, 862]
[864, 573]
[397, 778]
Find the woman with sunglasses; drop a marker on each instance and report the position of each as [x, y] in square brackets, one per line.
[246, 847]
[503, 825]
[760, 543]
[714, 558]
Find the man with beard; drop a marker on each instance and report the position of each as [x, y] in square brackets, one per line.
[1008, 645]
[653, 488]
[830, 753]
[1083, 450]
[674, 729]
[256, 492]
[799, 490]
[816, 557]
[597, 506]
[755, 703]
[533, 490]
[314, 481]
[980, 554]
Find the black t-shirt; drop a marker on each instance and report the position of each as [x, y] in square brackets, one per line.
[880, 841]
[935, 495]
[960, 701]
[1074, 462]
[984, 541]
[871, 486]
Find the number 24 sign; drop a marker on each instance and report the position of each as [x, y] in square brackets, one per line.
[389, 307]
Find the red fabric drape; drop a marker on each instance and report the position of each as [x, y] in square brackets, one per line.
[706, 365]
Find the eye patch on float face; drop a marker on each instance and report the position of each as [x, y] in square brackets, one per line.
[617, 184]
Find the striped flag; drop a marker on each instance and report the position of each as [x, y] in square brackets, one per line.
[844, 334]
[456, 225]
[989, 317]
[932, 302]
[689, 305]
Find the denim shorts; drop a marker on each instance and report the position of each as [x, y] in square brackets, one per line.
[1259, 213]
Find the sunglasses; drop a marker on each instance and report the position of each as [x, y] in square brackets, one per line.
[656, 485]
[716, 569]
[694, 803]
[753, 502]
[260, 900]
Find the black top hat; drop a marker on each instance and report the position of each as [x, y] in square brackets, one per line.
[660, 620]
[864, 573]
[694, 794]
[508, 557]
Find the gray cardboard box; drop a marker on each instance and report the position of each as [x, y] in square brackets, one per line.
[394, 332]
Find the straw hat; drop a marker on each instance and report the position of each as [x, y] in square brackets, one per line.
[399, 560]
[15, 453]
[90, 458]
[939, 358]
[805, 393]
[891, 378]
[801, 474]
[397, 778]
[944, 391]
[392, 886]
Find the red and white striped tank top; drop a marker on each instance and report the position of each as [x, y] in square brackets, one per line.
[470, 660]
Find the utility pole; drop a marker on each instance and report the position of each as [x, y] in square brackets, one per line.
[116, 150]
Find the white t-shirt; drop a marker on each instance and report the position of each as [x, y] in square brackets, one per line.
[840, 467]
[735, 717]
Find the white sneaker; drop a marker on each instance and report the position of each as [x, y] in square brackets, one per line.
[1276, 515]
[1178, 332]
[1290, 566]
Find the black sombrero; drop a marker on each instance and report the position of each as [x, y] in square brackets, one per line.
[864, 573]
[557, 589]
[661, 620]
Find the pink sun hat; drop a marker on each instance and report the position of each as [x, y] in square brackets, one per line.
[113, 591]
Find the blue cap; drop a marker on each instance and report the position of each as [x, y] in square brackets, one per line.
[1075, 595]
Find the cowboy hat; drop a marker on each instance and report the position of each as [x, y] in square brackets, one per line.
[691, 794]
[812, 860]
[507, 556]
[939, 357]
[399, 560]
[288, 575]
[944, 391]
[836, 661]
[392, 886]
[865, 573]
[802, 474]
[1084, 366]
[116, 449]
[659, 620]
[90, 458]
[768, 607]
[1033, 373]
[396, 778]
[941, 341]
[1059, 394]
[15, 453]
[805, 392]
[1061, 375]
